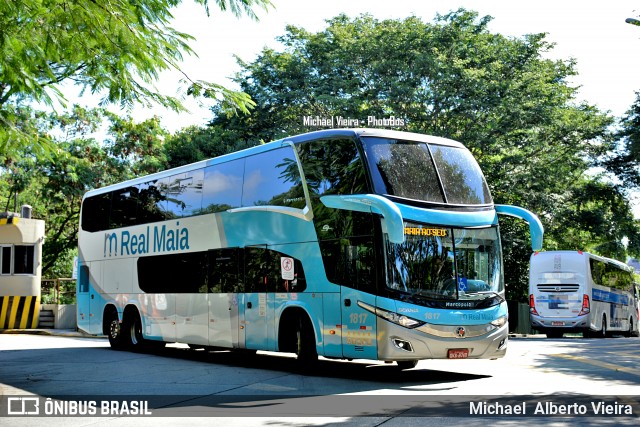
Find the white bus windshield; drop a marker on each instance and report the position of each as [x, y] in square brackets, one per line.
[446, 263]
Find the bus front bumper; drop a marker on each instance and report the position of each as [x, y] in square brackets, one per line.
[398, 343]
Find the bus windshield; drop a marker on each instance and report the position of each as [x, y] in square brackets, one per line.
[426, 172]
[446, 263]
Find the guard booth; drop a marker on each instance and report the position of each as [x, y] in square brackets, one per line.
[21, 239]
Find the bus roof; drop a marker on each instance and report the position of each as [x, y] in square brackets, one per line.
[297, 139]
[617, 263]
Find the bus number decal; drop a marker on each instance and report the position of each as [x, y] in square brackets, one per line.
[432, 316]
[358, 318]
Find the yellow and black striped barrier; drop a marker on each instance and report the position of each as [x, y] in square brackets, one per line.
[9, 220]
[19, 312]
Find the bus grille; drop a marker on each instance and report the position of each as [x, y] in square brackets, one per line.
[558, 288]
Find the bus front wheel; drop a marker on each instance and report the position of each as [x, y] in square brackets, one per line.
[406, 364]
[305, 341]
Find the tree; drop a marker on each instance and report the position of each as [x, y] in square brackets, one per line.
[624, 161]
[195, 143]
[509, 105]
[115, 48]
[54, 185]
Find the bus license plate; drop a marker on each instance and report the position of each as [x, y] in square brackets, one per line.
[557, 323]
[458, 353]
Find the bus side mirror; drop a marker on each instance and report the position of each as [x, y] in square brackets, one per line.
[392, 223]
[535, 226]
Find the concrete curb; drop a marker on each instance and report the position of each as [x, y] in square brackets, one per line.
[51, 332]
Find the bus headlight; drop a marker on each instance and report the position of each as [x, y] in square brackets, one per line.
[499, 322]
[398, 319]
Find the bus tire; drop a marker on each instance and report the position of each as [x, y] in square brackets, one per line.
[133, 330]
[305, 343]
[603, 329]
[632, 331]
[113, 330]
[406, 364]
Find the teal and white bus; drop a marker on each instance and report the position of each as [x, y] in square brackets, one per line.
[344, 243]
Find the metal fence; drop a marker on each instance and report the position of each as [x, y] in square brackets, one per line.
[58, 291]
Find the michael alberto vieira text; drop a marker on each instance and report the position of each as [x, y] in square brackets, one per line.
[550, 408]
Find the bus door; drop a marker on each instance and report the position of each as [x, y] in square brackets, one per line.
[225, 287]
[83, 298]
[258, 313]
[89, 300]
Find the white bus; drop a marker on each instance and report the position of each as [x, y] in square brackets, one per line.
[575, 291]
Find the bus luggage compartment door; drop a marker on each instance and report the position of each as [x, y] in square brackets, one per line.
[358, 326]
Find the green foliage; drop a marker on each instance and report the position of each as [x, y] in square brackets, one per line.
[624, 161]
[514, 109]
[115, 48]
[54, 184]
[194, 143]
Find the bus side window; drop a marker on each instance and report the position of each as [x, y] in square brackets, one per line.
[183, 193]
[273, 179]
[124, 207]
[299, 281]
[334, 166]
[263, 272]
[224, 275]
[152, 204]
[222, 188]
[95, 212]
[259, 270]
[350, 262]
[83, 282]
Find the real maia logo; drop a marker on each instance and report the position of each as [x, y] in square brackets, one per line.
[152, 240]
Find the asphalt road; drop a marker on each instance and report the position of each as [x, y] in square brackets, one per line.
[180, 386]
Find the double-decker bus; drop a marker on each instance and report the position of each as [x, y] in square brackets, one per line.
[21, 239]
[575, 291]
[345, 243]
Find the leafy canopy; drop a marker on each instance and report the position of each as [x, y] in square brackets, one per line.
[114, 48]
[500, 96]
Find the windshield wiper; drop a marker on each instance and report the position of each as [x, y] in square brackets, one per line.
[434, 295]
[485, 294]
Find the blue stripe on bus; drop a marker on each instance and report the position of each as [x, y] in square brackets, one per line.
[607, 296]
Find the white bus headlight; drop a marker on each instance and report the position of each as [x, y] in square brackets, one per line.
[499, 322]
[398, 319]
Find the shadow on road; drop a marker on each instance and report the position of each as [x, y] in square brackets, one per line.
[339, 369]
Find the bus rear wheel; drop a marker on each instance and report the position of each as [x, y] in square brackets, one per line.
[133, 331]
[114, 331]
[603, 329]
[632, 331]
